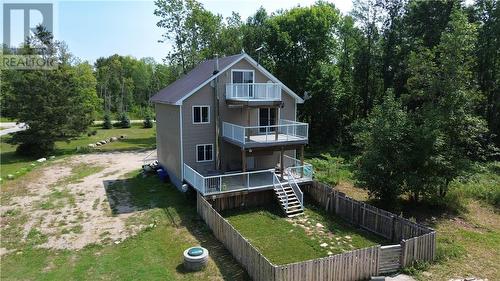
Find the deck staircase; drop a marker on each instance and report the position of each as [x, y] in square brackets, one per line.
[289, 197]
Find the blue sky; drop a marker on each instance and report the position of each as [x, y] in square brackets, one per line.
[93, 29]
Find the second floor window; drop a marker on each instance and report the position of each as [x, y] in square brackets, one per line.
[201, 114]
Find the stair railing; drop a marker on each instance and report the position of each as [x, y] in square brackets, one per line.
[293, 184]
[277, 185]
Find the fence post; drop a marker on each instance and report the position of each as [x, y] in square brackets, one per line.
[393, 232]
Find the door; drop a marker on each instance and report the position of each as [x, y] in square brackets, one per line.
[267, 117]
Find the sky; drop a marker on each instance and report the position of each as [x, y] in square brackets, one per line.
[93, 29]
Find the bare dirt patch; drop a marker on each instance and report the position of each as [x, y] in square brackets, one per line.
[68, 206]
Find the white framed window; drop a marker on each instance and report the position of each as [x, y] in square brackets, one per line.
[204, 152]
[201, 114]
[242, 76]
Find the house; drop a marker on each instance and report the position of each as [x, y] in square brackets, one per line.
[230, 126]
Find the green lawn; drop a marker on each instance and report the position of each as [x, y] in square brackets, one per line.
[153, 254]
[136, 137]
[285, 241]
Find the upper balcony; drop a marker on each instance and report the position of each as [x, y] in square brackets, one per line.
[253, 93]
[286, 133]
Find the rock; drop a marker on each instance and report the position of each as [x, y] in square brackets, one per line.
[91, 145]
[319, 225]
[323, 245]
[329, 253]
[108, 140]
[117, 242]
[33, 164]
[98, 144]
[52, 157]
[113, 139]
[41, 160]
[1, 179]
[103, 142]
[10, 176]
[348, 237]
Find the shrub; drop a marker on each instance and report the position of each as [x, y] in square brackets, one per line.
[107, 122]
[148, 122]
[124, 121]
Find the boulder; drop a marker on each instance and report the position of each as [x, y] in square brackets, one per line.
[103, 142]
[91, 145]
[10, 176]
[98, 144]
[113, 139]
[41, 160]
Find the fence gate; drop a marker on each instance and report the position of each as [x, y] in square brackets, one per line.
[390, 258]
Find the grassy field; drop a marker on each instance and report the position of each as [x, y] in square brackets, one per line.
[136, 137]
[468, 232]
[285, 241]
[154, 254]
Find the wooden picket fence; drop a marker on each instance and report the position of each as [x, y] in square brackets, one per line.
[417, 242]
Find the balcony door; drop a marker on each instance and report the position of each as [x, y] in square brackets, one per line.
[268, 117]
[243, 77]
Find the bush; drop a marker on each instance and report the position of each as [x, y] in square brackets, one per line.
[107, 122]
[124, 121]
[92, 133]
[148, 122]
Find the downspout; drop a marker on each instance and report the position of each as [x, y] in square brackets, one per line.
[217, 116]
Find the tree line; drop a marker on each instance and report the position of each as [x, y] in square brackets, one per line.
[412, 87]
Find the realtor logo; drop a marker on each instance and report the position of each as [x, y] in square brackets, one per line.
[20, 20]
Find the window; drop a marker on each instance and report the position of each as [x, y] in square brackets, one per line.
[267, 117]
[242, 76]
[201, 114]
[204, 152]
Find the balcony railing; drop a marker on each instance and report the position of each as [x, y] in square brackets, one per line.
[253, 91]
[286, 131]
[228, 182]
[246, 180]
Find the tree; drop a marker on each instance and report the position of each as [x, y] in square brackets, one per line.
[55, 104]
[384, 141]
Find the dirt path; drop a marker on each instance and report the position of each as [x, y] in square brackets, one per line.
[68, 205]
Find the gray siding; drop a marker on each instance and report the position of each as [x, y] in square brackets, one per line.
[168, 140]
[194, 134]
[168, 130]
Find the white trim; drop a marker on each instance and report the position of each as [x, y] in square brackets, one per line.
[182, 144]
[204, 151]
[256, 65]
[201, 116]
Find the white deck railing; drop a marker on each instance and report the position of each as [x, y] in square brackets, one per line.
[287, 130]
[253, 91]
[228, 182]
[248, 180]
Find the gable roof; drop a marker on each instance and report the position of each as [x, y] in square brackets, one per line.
[202, 74]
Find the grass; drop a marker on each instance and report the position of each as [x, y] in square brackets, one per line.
[136, 138]
[154, 254]
[285, 241]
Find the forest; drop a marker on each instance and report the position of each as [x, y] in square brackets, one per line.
[412, 88]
